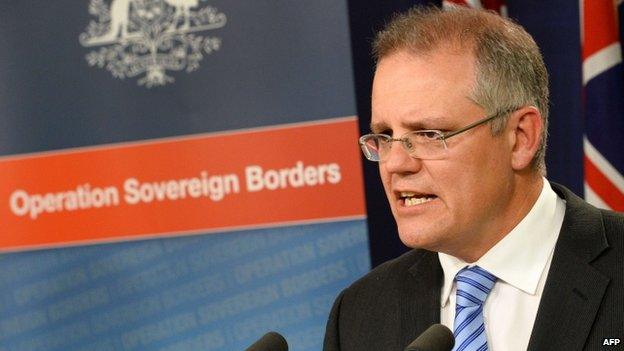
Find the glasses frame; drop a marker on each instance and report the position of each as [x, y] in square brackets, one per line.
[442, 136]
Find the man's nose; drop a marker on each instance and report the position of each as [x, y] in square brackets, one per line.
[399, 160]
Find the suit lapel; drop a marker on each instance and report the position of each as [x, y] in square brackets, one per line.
[574, 288]
[423, 306]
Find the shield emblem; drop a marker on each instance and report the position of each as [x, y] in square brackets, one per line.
[150, 16]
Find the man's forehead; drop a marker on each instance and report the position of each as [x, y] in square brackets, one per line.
[432, 91]
[400, 76]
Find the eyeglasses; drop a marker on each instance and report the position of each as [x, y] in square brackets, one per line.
[428, 144]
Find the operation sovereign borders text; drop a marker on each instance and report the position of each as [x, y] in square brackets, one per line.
[214, 187]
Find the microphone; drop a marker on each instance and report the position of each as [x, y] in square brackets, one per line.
[271, 341]
[436, 338]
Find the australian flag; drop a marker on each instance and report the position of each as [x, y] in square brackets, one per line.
[603, 88]
[496, 5]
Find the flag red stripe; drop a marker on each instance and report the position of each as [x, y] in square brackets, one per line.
[603, 187]
[493, 4]
[600, 27]
[459, 2]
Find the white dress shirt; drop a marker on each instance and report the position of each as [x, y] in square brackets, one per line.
[521, 261]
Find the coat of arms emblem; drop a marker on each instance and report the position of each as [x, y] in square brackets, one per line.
[150, 37]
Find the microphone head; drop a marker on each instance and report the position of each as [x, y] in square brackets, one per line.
[436, 338]
[271, 341]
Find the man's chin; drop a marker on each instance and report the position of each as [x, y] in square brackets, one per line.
[419, 239]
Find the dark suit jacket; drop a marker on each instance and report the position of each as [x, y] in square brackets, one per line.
[582, 303]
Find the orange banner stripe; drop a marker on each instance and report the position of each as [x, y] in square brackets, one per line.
[190, 184]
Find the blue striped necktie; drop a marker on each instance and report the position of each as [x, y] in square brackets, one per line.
[473, 286]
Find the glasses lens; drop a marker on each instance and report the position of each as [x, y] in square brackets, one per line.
[370, 144]
[425, 145]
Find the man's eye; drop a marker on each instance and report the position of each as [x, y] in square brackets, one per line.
[428, 135]
[382, 140]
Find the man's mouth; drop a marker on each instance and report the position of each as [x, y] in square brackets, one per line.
[412, 199]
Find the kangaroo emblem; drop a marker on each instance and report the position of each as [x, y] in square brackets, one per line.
[119, 13]
[150, 37]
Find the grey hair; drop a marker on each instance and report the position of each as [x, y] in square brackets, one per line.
[510, 71]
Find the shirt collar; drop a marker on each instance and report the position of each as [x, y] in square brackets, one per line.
[521, 256]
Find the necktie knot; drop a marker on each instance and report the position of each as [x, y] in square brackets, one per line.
[473, 285]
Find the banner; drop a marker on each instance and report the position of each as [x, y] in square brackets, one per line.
[138, 197]
[176, 175]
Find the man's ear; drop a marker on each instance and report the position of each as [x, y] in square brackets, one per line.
[526, 127]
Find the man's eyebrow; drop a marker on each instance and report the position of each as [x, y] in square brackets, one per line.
[378, 127]
[434, 122]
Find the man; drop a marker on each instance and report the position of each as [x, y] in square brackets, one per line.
[502, 257]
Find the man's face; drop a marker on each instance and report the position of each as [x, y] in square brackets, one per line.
[454, 203]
